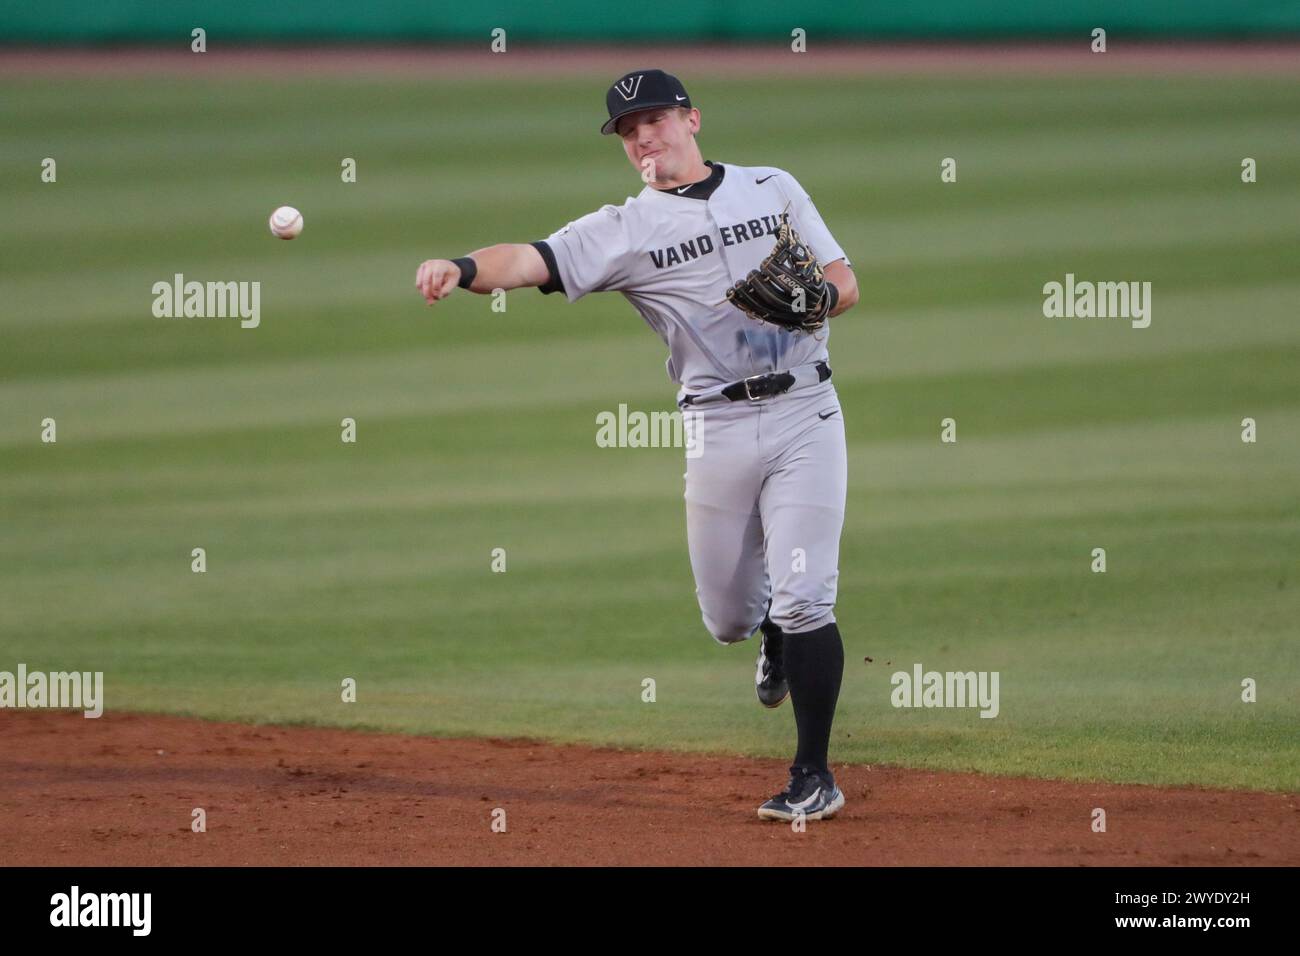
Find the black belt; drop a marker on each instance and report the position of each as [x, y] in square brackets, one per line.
[763, 386]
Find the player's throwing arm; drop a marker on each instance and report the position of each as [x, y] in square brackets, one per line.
[505, 266]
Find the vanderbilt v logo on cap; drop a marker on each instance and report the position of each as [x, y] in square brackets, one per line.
[628, 86]
[642, 90]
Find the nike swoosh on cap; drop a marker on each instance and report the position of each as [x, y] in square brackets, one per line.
[679, 98]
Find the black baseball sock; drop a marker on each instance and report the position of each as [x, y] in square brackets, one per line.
[814, 665]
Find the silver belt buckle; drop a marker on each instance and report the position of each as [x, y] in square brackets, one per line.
[748, 394]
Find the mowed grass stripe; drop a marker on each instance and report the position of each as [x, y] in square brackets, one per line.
[219, 225]
[305, 470]
[1010, 556]
[890, 192]
[911, 105]
[607, 372]
[871, 341]
[402, 146]
[1024, 143]
[1169, 266]
[427, 537]
[294, 282]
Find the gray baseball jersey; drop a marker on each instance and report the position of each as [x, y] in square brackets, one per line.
[765, 495]
[674, 253]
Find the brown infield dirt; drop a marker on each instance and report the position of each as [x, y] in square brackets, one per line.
[120, 791]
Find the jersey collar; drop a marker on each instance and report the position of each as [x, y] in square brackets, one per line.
[701, 190]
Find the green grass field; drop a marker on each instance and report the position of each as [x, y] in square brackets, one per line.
[476, 429]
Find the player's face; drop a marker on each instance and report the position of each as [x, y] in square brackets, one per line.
[662, 137]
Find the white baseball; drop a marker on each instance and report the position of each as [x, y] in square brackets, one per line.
[286, 222]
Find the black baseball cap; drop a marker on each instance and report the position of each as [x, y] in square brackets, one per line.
[643, 90]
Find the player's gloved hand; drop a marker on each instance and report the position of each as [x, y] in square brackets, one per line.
[436, 279]
[788, 288]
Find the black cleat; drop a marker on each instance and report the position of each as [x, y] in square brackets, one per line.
[769, 678]
[810, 795]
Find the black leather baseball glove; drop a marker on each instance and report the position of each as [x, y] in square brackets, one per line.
[788, 288]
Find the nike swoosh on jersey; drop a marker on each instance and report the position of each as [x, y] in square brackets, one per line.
[684, 188]
[759, 182]
[826, 416]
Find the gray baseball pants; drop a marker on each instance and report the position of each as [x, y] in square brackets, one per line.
[765, 495]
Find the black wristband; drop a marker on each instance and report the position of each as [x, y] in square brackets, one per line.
[833, 294]
[468, 270]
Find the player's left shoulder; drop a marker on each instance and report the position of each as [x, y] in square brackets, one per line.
[759, 174]
[763, 179]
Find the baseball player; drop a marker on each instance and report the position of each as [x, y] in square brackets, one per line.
[735, 270]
